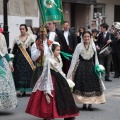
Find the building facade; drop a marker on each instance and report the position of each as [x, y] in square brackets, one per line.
[20, 12]
[81, 12]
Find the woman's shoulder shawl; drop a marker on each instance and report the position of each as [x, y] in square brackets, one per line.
[74, 60]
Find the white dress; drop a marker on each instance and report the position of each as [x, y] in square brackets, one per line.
[8, 99]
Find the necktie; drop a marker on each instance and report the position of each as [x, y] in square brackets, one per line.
[104, 37]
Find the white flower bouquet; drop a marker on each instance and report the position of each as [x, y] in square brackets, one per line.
[71, 84]
[11, 57]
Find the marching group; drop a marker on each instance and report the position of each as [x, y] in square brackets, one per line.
[44, 65]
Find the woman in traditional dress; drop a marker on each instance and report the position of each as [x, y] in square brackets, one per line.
[8, 99]
[51, 96]
[88, 87]
[22, 62]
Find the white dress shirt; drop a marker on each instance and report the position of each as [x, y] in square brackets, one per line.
[66, 36]
[52, 36]
[35, 53]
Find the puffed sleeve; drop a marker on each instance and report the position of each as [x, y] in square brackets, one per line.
[35, 53]
[3, 47]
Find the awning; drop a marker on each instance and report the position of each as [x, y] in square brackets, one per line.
[81, 1]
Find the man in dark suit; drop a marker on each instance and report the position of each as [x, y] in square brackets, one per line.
[103, 39]
[70, 37]
[57, 35]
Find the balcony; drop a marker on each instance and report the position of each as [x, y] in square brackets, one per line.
[81, 1]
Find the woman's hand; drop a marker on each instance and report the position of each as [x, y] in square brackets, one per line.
[47, 97]
[11, 66]
[97, 48]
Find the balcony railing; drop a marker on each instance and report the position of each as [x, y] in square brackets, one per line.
[81, 1]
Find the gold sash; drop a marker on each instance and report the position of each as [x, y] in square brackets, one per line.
[26, 55]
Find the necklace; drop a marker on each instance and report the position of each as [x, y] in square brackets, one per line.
[23, 38]
[86, 47]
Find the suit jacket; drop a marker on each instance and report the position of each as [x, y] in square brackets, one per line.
[72, 38]
[61, 39]
[101, 43]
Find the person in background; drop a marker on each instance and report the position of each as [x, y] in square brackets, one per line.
[71, 41]
[79, 34]
[116, 56]
[70, 37]
[105, 38]
[8, 99]
[57, 35]
[39, 51]
[23, 65]
[95, 34]
[31, 33]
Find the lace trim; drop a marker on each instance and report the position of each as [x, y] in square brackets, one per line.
[87, 54]
[8, 99]
[88, 94]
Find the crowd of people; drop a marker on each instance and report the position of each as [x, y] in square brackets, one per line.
[44, 63]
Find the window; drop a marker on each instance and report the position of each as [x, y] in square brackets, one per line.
[100, 9]
[28, 22]
[117, 13]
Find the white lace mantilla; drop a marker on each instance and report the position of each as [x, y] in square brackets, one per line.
[26, 43]
[87, 54]
[80, 50]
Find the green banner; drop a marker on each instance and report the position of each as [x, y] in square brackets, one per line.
[51, 10]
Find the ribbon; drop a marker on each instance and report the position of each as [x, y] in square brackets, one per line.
[2, 73]
[99, 69]
[66, 55]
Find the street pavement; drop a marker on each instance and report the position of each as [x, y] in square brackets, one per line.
[108, 111]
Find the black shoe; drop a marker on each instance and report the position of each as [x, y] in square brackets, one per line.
[106, 79]
[21, 94]
[116, 76]
[84, 107]
[71, 118]
[47, 119]
[90, 109]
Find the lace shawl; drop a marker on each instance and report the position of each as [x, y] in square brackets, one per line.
[44, 83]
[25, 44]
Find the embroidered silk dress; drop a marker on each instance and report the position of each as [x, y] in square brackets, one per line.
[8, 99]
[88, 87]
[61, 104]
[22, 69]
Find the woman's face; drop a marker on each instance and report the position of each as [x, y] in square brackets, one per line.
[86, 38]
[23, 30]
[57, 51]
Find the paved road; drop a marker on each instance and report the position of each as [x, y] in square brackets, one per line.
[108, 111]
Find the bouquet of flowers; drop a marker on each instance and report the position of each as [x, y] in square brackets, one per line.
[71, 84]
[99, 69]
[11, 57]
